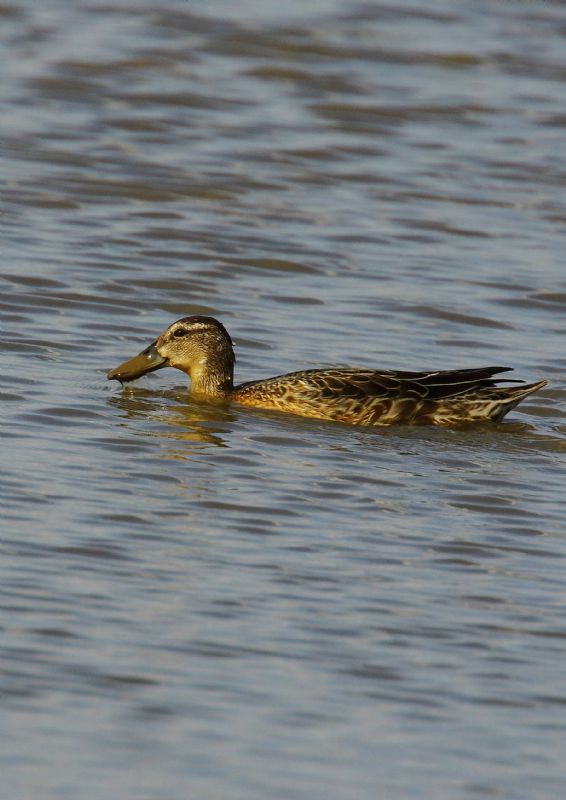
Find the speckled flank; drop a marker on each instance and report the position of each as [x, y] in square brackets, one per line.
[363, 397]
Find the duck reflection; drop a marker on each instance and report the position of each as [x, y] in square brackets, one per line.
[189, 420]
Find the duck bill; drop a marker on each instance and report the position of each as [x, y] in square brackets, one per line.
[147, 361]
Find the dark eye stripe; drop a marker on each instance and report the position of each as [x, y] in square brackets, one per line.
[180, 332]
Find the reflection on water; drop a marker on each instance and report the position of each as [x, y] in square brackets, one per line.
[289, 607]
[192, 421]
[196, 421]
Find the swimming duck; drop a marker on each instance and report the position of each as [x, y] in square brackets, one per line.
[201, 347]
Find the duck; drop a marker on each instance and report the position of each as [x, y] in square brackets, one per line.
[201, 347]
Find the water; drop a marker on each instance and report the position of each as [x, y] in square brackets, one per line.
[209, 603]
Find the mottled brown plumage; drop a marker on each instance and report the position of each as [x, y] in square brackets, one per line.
[201, 347]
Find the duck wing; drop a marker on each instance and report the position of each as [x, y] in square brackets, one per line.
[367, 396]
[392, 384]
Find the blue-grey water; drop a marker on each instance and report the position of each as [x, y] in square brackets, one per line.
[239, 605]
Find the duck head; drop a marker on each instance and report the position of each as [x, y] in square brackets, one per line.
[199, 346]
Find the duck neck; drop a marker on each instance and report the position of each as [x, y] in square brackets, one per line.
[212, 379]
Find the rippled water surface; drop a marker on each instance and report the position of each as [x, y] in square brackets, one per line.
[217, 603]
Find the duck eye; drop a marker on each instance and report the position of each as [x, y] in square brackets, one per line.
[180, 332]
